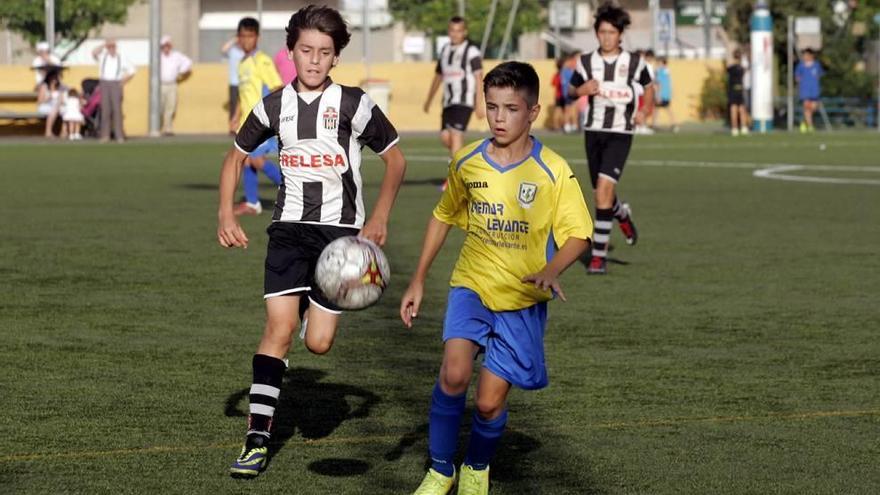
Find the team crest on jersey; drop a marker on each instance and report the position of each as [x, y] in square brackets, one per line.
[331, 118]
[527, 193]
[622, 70]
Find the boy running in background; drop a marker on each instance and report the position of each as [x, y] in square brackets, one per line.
[257, 77]
[322, 127]
[526, 222]
[613, 79]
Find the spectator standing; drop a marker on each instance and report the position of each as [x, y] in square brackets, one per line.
[174, 67]
[736, 96]
[808, 74]
[284, 64]
[42, 62]
[233, 53]
[114, 71]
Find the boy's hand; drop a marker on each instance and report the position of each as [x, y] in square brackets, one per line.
[230, 233]
[410, 302]
[375, 230]
[589, 88]
[544, 280]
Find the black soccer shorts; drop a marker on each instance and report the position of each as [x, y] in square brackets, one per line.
[291, 258]
[606, 154]
[456, 117]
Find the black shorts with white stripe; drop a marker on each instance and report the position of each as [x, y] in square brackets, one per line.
[456, 117]
[292, 256]
[606, 154]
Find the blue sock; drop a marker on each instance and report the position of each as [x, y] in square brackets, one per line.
[250, 182]
[444, 420]
[485, 434]
[272, 171]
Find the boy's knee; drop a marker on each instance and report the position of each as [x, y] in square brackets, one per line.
[319, 346]
[489, 408]
[454, 380]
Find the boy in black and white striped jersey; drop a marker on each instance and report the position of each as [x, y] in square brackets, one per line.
[460, 71]
[321, 128]
[612, 79]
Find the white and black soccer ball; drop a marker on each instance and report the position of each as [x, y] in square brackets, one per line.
[352, 272]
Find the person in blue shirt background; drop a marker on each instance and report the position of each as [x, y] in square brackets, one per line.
[808, 74]
[664, 94]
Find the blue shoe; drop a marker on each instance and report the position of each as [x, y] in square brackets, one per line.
[250, 463]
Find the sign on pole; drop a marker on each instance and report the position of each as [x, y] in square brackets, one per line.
[808, 33]
[665, 23]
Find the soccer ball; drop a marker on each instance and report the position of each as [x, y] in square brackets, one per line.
[352, 272]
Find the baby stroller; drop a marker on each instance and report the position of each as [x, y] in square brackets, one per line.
[92, 109]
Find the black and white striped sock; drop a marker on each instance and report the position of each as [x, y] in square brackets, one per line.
[268, 374]
[602, 231]
[620, 213]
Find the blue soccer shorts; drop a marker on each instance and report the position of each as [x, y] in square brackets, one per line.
[269, 146]
[513, 341]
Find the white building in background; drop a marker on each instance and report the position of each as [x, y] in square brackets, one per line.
[200, 27]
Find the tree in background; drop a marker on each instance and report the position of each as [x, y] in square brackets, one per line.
[74, 19]
[432, 17]
[845, 39]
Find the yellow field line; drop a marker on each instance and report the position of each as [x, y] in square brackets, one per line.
[390, 438]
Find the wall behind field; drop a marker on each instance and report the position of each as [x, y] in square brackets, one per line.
[203, 97]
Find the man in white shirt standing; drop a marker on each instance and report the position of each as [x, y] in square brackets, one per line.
[174, 67]
[42, 62]
[113, 72]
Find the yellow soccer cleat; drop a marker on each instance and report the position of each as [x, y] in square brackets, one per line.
[435, 484]
[473, 482]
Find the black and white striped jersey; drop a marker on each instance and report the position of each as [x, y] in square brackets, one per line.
[621, 81]
[320, 138]
[457, 66]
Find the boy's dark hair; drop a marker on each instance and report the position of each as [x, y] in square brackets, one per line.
[320, 18]
[248, 24]
[737, 54]
[517, 75]
[457, 19]
[663, 60]
[649, 53]
[809, 51]
[613, 15]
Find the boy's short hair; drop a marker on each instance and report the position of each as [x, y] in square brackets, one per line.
[326, 20]
[248, 24]
[457, 19]
[649, 53]
[737, 54]
[517, 75]
[613, 15]
[809, 51]
[663, 60]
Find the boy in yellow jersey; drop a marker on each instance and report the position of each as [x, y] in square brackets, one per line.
[526, 222]
[257, 77]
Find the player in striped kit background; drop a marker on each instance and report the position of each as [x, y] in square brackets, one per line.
[612, 78]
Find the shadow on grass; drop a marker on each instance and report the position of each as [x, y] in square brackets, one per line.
[314, 409]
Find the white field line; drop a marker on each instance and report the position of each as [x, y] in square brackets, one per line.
[776, 171]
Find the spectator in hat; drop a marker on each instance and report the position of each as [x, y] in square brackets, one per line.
[42, 62]
[174, 67]
[114, 71]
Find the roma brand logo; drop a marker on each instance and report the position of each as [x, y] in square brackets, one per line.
[527, 193]
[331, 118]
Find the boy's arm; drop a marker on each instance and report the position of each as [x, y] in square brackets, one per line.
[548, 277]
[229, 231]
[479, 108]
[435, 236]
[435, 84]
[376, 228]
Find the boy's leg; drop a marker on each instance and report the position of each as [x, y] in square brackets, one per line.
[623, 214]
[269, 365]
[490, 417]
[447, 403]
[322, 328]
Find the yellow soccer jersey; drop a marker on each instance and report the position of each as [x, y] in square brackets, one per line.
[515, 218]
[257, 76]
